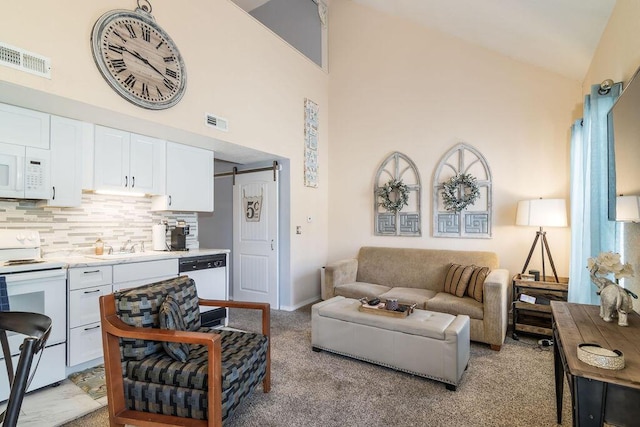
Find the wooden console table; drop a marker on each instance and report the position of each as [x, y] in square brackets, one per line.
[597, 394]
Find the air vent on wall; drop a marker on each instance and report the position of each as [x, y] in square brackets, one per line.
[20, 59]
[217, 122]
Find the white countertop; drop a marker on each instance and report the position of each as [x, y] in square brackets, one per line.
[73, 260]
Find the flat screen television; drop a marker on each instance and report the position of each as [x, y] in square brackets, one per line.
[624, 149]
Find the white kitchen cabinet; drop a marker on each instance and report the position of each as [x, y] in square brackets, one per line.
[127, 162]
[84, 336]
[131, 275]
[85, 344]
[87, 284]
[24, 127]
[88, 147]
[111, 159]
[189, 180]
[83, 304]
[86, 277]
[147, 163]
[66, 161]
[85, 333]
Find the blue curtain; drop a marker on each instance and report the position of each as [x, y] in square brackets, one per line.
[591, 231]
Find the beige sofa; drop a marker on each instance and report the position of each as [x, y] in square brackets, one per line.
[418, 276]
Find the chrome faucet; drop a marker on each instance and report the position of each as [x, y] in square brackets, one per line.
[124, 247]
[141, 244]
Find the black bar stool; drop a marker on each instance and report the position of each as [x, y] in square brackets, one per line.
[37, 328]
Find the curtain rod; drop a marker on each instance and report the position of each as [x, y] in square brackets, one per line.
[235, 172]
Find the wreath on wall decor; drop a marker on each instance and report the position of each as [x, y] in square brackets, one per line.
[401, 191]
[470, 192]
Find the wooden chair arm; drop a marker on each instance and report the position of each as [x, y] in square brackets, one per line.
[234, 304]
[265, 307]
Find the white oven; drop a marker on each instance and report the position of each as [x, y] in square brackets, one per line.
[34, 285]
[24, 172]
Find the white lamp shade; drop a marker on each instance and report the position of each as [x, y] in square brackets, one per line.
[542, 213]
[627, 208]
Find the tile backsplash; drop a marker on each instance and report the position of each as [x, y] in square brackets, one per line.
[113, 218]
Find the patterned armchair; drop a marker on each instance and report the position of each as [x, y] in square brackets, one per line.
[162, 367]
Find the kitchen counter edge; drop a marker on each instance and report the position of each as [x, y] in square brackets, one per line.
[90, 261]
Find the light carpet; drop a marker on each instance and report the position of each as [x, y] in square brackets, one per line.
[513, 387]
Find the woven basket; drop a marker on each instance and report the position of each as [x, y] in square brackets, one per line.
[595, 355]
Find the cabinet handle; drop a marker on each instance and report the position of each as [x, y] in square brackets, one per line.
[133, 181]
[126, 181]
[53, 196]
[93, 327]
[169, 200]
[92, 292]
[91, 271]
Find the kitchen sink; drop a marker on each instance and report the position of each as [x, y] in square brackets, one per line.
[122, 255]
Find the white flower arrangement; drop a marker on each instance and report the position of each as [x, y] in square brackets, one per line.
[608, 263]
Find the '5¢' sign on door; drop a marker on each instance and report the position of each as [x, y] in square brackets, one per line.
[252, 207]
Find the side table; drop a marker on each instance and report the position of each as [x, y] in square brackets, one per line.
[597, 395]
[535, 317]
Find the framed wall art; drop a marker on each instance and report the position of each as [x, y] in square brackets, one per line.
[310, 143]
[462, 194]
[396, 194]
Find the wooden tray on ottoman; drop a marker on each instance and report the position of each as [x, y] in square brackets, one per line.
[381, 311]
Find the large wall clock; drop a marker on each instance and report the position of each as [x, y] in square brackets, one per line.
[138, 58]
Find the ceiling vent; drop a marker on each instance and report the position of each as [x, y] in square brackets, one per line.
[20, 59]
[217, 122]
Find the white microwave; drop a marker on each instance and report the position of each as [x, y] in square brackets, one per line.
[24, 172]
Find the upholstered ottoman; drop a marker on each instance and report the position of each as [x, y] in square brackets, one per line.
[425, 343]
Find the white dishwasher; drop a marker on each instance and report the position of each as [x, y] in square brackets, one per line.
[210, 274]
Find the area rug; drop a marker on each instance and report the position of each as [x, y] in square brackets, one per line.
[91, 381]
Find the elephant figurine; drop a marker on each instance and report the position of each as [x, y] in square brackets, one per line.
[615, 302]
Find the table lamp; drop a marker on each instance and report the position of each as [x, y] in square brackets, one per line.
[628, 208]
[542, 213]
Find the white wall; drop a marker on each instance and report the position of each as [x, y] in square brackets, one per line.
[396, 86]
[236, 68]
[617, 56]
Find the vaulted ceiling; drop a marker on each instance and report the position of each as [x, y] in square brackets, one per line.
[558, 35]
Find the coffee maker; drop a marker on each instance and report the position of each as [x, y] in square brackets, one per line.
[179, 236]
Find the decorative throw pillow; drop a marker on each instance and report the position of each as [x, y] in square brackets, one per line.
[476, 283]
[171, 317]
[457, 279]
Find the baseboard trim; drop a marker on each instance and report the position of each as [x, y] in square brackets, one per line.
[300, 304]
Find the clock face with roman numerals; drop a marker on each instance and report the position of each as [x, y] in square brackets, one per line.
[138, 59]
